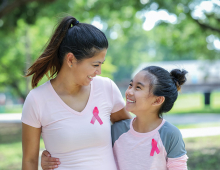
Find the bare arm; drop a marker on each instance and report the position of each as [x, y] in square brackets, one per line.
[120, 115]
[30, 147]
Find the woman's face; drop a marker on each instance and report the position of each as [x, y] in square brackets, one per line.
[85, 70]
[138, 95]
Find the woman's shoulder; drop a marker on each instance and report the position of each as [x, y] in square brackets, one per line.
[105, 81]
[42, 89]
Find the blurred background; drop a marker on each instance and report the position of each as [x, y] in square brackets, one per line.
[181, 34]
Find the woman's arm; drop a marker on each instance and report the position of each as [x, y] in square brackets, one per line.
[120, 115]
[30, 147]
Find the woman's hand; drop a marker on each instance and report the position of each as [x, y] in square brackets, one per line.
[48, 163]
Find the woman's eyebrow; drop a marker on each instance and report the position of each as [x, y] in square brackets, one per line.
[99, 62]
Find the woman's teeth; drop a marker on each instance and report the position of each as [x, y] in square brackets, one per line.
[131, 101]
[90, 77]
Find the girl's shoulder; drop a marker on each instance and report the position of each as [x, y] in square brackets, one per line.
[172, 140]
[118, 128]
[169, 129]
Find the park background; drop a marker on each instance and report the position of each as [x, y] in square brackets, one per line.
[140, 32]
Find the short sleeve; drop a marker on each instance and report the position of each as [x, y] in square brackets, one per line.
[30, 112]
[177, 145]
[117, 99]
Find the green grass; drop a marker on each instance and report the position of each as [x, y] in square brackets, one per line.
[203, 153]
[186, 103]
[11, 155]
[194, 103]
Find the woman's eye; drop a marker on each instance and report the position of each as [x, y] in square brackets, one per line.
[138, 87]
[130, 84]
[95, 65]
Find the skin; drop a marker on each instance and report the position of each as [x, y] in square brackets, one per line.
[143, 103]
[72, 84]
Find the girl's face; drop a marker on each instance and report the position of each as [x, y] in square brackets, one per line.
[138, 95]
[85, 70]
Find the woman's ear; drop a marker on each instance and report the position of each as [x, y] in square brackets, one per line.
[158, 100]
[70, 59]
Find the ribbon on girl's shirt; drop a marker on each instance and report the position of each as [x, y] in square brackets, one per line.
[96, 116]
[154, 148]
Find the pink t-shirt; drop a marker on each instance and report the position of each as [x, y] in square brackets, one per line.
[161, 149]
[69, 135]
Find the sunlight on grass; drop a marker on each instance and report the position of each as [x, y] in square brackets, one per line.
[11, 155]
[194, 103]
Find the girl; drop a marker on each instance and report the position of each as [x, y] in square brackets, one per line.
[148, 141]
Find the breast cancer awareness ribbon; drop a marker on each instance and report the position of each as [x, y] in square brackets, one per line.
[154, 148]
[96, 116]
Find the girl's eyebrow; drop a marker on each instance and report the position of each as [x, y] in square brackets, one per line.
[131, 81]
[141, 84]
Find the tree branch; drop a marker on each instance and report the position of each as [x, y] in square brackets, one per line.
[7, 8]
[204, 26]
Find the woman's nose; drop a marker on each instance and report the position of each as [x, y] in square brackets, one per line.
[98, 70]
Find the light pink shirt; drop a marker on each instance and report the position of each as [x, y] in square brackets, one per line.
[68, 134]
[132, 150]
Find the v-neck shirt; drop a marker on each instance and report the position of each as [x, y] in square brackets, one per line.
[70, 135]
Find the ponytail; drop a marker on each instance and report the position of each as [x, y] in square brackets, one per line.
[49, 59]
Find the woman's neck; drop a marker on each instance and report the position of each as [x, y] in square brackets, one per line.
[146, 123]
[64, 85]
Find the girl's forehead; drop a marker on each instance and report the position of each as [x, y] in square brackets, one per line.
[142, 76]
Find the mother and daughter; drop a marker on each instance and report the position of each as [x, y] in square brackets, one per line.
[73, 111]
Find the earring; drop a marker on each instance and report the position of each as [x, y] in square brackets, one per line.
[71, 65]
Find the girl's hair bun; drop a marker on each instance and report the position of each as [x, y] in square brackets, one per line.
[179, 77]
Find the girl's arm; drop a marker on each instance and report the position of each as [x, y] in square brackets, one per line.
[48, 163]
[30, 147]
[120, 115]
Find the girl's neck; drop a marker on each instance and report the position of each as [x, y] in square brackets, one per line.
[146, 123]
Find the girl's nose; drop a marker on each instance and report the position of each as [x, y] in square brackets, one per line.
[129, 92]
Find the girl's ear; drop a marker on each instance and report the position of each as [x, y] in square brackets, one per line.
[159, 100]
[70, 59]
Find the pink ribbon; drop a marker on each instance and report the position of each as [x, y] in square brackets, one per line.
[96, 116]
[154, 148]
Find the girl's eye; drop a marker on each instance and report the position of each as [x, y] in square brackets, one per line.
[138, 87]
[130, 84]
[95, 65]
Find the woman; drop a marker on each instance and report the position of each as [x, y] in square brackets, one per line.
[73, 110]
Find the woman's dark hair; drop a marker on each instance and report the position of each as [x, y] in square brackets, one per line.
[163, 83]
[83, 40]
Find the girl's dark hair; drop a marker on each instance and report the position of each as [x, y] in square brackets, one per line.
[83, 40]
[163, 83]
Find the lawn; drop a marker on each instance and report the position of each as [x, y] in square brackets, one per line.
[186, 103]
[203, 153]
[194, 103]
[11, 155]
